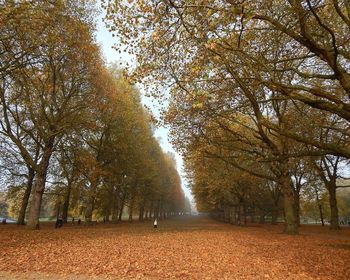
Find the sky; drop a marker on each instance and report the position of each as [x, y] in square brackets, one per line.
[106, 41]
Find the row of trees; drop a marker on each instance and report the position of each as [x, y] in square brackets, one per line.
[70, 128]
[259, 96]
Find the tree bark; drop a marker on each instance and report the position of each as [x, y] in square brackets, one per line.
[39, 186]
[320, 208]
[321, 214]
[131, 208]
[291, 221]
[89, 211]
[244, 214]
[238, 215]
[121, 210]
[108, 213]
[25, 200]
[276, 195]
[333, 205]
[141, 213]
[330, 183]
[91, 203]
[297, 205]
[113, 207]
[115, 213]
[66, 203]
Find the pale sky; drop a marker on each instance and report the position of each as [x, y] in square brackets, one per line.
[105, 39]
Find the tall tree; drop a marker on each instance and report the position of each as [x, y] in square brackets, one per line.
[50, 92]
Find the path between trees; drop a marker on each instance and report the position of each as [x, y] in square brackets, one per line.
[182, 248]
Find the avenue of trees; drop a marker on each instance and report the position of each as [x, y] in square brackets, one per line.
[73, 132]
[259, 99]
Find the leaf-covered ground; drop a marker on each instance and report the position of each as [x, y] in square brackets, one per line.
[191, 248]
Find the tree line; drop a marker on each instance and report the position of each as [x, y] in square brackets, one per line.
[72, 129]
[259, 98]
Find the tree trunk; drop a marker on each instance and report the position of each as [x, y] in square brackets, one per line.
[226, 214]
[232, 215]
[121, 211]
[245, 214]
[113, 207]
[108, 213]
[297, 206]
[291, 221]
[66, 203]
[91, 203]
[274, 215]
[25, 200]
[332, 190]
[157, 210]
[276, 195]
[150, 211]
[252, 215]
[131, 208]
[321, 214]
[320, 208]
[39, 186]
[141, 213]
[238, 215]
[262, 219]
[115, 214]
[58, 210]
[89, 211]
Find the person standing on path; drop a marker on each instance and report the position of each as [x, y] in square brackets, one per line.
[155, 224]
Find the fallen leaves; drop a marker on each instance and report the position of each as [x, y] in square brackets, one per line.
[180, 249]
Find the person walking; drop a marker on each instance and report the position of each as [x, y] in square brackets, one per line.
[155, 224]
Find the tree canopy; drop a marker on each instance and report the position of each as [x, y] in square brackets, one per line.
[260, 86]
[76, 140]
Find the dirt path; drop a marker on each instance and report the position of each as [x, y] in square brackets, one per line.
[192, 248]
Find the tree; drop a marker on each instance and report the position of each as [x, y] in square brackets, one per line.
[207, 36]
[51, 91]
[264, 61]
[72, 128]
[328, 169]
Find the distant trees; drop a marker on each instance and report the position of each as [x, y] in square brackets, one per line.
[262, 87]
[72, 128]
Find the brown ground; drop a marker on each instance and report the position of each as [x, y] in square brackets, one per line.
[192, 248]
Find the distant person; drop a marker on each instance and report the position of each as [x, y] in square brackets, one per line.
[79, 221]
[59, 222]
[4, 221]
[73, 220]
[155, 224]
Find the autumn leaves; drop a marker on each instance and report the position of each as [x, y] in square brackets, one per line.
[259, 92]
[72, 127]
